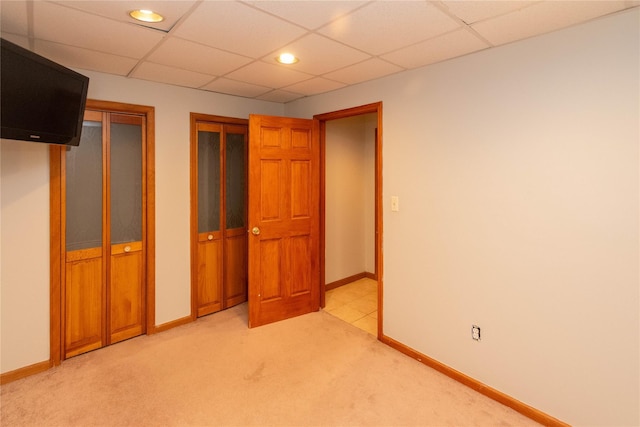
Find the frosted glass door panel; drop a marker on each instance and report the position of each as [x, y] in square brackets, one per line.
[235, 180]
[83, 191]
[126, 182]
[208, 181]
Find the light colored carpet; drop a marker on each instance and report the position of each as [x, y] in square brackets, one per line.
[313, 370]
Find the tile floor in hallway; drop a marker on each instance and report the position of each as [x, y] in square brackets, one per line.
[355, 303]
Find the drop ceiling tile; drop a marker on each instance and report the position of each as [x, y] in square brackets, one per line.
[263, 74]
[170, 75]
[315, 86]
[367, 70]
[233, 87]
[280, 96]
[236, 27]
[543, 17]
[319, 55]
[474, 11]
[13, 17]
[69, 26]
[75, 57]
[311, 14]
[381, 27]
[172, 11]
[192, 56]
[456, 43]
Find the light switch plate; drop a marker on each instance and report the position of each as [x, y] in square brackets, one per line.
[395, 204]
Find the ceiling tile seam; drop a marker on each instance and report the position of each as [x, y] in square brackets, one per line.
[274, 90]
[148, 27]
[357, 63]
[442, 6]
[307, 80]
[86, 12]
[30, 26]
[68, 5]
[140, 60]
[280, 49]
[213, 76]
[268, 88]
[226, 75]
[371, 55]
[539, 34]
[463, 24]
[93, 50]
[322, 76]
[403, 68]
[333, 90]
[213, 47]
[184, 17]
[422, 41]
[253, 61]
[266, 12]
[163, 40]
[283, 67]
[366, 3]
[231, 94]
[515, 11]
[203, 87]
[306, 33]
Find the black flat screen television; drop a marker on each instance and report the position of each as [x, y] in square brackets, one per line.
[40, 100]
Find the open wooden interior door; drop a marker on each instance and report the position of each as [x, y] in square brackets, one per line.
[284, 178]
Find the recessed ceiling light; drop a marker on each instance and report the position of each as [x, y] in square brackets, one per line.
[286, 58]
[146, 15]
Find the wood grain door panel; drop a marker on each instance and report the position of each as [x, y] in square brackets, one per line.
[126, 298]
[209, 273]
[83, 301]
[235, 267]
[284, 207]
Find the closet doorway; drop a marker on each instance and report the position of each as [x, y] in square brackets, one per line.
[218, 213]
[102, 231]
[351, 203]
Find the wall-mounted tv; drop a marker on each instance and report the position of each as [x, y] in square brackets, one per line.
[39, 100]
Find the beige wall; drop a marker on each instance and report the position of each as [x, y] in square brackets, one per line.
[24, 254]
[349, 208]
[517, 170]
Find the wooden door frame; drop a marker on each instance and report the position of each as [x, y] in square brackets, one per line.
[374, 108]
[56, 337]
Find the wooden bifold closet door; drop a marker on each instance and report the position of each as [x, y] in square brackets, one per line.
[104, 231]
[218, 213]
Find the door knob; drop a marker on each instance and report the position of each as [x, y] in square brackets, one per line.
[255, 231]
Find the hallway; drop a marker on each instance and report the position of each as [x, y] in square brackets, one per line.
[355, 303]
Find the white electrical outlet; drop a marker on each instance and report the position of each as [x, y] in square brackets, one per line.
[475, 332]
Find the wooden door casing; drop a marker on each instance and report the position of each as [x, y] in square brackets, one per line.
[283, 218]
